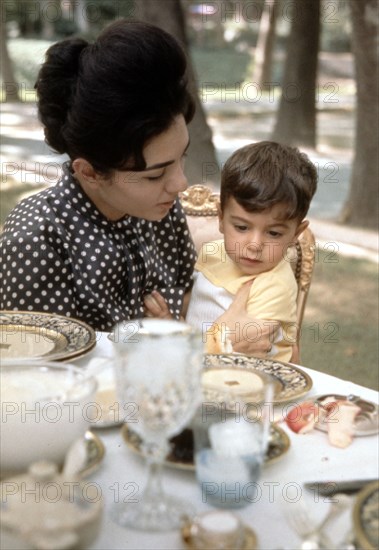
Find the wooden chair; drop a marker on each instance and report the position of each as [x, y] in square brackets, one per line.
[200, 205]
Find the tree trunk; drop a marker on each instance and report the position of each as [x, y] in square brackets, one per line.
[296, 120]
[265, 45]
[201, 163]
[10, 86]
[362, 205]
[49, 9]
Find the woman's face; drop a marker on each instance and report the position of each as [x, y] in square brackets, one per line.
[150, 193]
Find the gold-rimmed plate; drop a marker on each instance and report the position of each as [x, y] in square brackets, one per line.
[28, 334]
[181, 454]
[290, 382]
[366, 517]
[236, 383]
[95, 453]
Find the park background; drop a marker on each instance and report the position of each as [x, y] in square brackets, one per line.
[301, 71]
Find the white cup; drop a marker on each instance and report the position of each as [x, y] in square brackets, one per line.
[45, 408]
[231, 437]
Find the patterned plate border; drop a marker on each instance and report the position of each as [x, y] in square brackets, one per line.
[250, 541]
[79, 337]
[294, 381]
[278, 446]
[366, 517]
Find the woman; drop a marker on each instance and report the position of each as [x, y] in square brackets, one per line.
[112, 230]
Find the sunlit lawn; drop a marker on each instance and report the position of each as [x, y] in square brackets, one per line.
[340, 332]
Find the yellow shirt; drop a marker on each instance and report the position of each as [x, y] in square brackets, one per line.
[272, 295]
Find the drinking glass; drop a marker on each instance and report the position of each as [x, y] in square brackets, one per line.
[231, 436]
[157, 369]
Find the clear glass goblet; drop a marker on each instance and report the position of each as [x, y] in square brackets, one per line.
[158, 369]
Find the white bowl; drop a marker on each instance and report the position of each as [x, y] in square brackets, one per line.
[45, 407]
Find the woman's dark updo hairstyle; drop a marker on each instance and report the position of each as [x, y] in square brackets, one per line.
[104, 101]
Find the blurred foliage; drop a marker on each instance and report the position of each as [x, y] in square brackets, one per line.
[335, 26]
[61, 18]
[27, 55]
[222, 65]
[238, 24]
[222, 43]
[226, 23]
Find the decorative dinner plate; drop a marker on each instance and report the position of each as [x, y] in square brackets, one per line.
[95, 453]
[235, 383]
[365, 423]
[291, 382]
[181, 455]
[366, 517]
[30, 334]
[188, 532]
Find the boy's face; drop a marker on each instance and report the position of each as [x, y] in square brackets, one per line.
[257, 241]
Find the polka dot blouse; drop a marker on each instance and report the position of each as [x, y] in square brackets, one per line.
[60, 255]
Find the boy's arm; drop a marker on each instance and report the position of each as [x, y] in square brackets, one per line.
[274, 300]
[244, 332]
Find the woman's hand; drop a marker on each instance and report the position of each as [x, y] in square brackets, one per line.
[156, 306]
[247, 335]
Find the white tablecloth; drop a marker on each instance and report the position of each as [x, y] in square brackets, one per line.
[310, 458]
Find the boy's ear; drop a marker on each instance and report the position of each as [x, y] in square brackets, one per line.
[85, 172]
[301, 227]
[220, 219]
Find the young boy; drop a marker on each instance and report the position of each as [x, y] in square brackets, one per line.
[266, 189]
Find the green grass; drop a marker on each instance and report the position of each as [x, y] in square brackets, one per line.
[340, 328]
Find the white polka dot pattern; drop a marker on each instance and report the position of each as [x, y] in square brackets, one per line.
[60, 255]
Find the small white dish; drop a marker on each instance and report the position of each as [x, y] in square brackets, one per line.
[108, 411]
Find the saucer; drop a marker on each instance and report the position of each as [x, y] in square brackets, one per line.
[95, 451]
[187, 531]
[366, 421]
